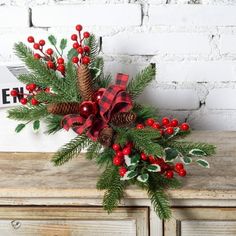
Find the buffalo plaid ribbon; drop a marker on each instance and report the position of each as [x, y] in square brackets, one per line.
[115, 99]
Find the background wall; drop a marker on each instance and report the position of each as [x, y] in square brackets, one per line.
[192, 42]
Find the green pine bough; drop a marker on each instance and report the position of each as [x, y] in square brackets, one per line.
[133, 148]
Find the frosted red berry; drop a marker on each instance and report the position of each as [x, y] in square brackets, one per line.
[156, 125]
[78, 27]
[120, 154]
[169, 174]
[182, 172]
[170, 130]
[49, 51]
[50, 64]
[61, 68]
[149, 122]
[74, 37]
[86, 48]
[143, 156]
[23, 101]
[80, 50]
[184, 127]
[41, 42]
[60, 60]
[139, 126]
[36, 46]
[117, 161]
[127, 151]
[85, 60]
[179, 166]
[75, 60]
[75, 45]
[165, 121]
[37, 56]
[34, 102]
[30, 39]
[122, 171]
[31, 87]
[86, 34]
[116, 147]
[14, 93]
[174, 123]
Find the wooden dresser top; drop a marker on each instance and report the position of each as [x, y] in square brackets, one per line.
[26, 175]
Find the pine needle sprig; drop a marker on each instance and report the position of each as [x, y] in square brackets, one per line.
[53, 124]
[105, 157]
[141, 81]
[93, 45]
[145, 112]
[50, 98]
[93, 151]
[28, 113]
[70, 150]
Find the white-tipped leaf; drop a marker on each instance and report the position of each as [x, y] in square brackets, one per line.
[154, 168]
[129, 175]
[203, 163]
[197, 152]
[143, 178]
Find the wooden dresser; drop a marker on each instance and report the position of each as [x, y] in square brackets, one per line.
[37, 199]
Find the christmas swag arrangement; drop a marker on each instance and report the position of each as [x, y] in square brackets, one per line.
[121, 135]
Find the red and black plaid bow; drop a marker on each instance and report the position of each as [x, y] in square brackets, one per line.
[115, 99]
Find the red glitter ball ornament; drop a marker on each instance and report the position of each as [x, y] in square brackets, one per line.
[87, 108]
[97, 96]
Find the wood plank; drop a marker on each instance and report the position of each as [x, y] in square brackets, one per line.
[31, 175]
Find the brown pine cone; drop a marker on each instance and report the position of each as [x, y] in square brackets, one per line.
[63, 108]
[122, 119]
[85, 85]
[106, 136]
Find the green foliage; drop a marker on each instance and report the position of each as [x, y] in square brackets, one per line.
[94, 46]
[105, 157]
[141, 81]
[72, 53]
[53, 123]
[63, 44]
[52, 40]
[28, 113]
[70, 150]
[144, 112]
[106, 178]
[36, 125]
[93, 150]
[19, 128]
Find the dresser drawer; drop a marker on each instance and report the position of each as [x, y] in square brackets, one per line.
[201, 222]
[73, 221]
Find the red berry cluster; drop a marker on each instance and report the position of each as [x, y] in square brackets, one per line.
[83, 50]
[33, 90]
[166, 126]
[47, 55]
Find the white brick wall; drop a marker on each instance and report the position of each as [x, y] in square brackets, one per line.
[193, 46]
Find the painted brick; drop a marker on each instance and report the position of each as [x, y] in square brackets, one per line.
[14, 17]
[155, 43]
[170, 99]
[89, 14]
[228, 44]
[192, 14]
[221, 99]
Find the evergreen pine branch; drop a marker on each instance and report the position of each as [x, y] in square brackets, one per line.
[184, 147]
[104, 81]
[105, 157]
[28, 113]
[114, 193]
[94, 46]
[53, 124]
[70, 150]
[50, 98]
[141, 81]
[144, 112]
[93, 150]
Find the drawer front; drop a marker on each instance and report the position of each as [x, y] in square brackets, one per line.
[72, 221]
[201, 222]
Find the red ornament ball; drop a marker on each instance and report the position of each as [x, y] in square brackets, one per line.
[34, 102]
[97, 96]
[86, 34]
[80, 50]
[117, 161]
[36, 46]
[127, 151]
[179, 166]
[116, 147]
[50, 64]
[170, 130]
[156, 125]
[149, 122]
[37, 56]
[78, 27]
[139, 126]
[184, 127]
[86, 60]
[23, 101]
[169, 174]
[87, 108]
[165, 121]
[75, 60]
[60, 60]
[86, 48]
[41, 42]
[174, 123]
[122, 171]
[182, 172]
[143, 156]
[14, 93]
[30, 39]
[74, 37]
[49, 51]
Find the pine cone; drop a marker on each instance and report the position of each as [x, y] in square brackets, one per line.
[123, 119]
[106, 136]
[85, 82]
[63, 108]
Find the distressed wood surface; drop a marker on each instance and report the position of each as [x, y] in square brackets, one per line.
[26, 175]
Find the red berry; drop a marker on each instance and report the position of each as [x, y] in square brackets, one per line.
[165, 166]
[31, 87]
[179, 166]
[78, 27]
[34, 102]
[170, 130]
[36, 46]
[14, 93]
[182, 172]
[75, 45]
[117, 161]
[129, 145]
[149, 122]
[86, 34]
[122, 171]
[37, 56]
[139, 126]
[127, 151]
[41, 42]
[86, 48]
[165, 121]
[156, 125]
[50, 64]
[86, 60]
[49, 51]
[152, 159]
[120, 154]
[143, 156]
[184, 127]
[75, 60]
[169, 174]
[162, 132]
[30, 39]
[61, 68]
[23, 101]
[174, 123]
[74, 37]
[60, 60]
[47, 90]
[80, 50]
[116, 147]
